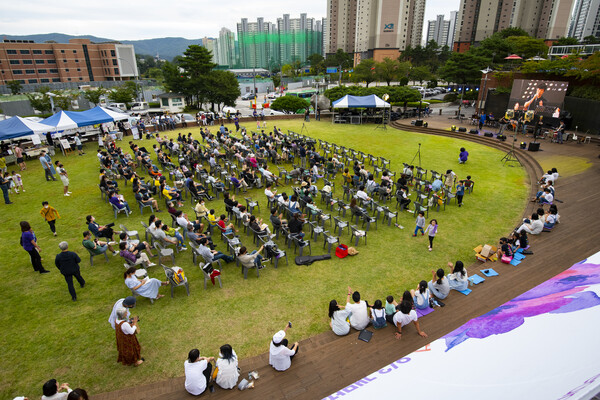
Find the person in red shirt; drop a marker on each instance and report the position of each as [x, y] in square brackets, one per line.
[223, 225]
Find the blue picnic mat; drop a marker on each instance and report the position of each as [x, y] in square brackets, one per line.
[515, 262]
[465, 292]
[489, 272]
[476, 279]
[518, 256]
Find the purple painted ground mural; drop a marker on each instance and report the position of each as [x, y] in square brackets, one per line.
[564, 293]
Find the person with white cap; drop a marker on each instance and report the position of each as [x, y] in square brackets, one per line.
[127, 303]
[280, 356]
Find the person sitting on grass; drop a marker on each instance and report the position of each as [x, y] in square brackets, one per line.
[359, 319]
[404, 316]
[96, 246]
[134, 256]
[340, 325]
[458, 279]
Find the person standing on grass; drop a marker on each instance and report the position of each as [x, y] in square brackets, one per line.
[127, 303]
[29, 244]
[64, 177]
[420, 224]
[50, 215]
[5, 185]
[47, 165]
[460, 192]
[19, 155]
[431, 232]
[67, 263]
[78, 144]
[128, 347]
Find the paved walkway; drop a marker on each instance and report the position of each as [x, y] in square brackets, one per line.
[327, 363]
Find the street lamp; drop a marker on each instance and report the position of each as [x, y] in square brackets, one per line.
[51, 95]
[135, 76]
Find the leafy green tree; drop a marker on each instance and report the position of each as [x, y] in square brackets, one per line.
[317, 64]
[41, 100]
[94, 95]
[289, 103]
[587, 69]
[387, 70]
[591, 39]
[365, 71]
[223, 88]
[340, 91]
[155, 73]
[508, 32]
[567, 41]
[276, 80]
[174, 79]
[420, 74]
[528, 47]
[14, 86]
[463, 68]
[340, 58]
[122, 94]
[288, 70]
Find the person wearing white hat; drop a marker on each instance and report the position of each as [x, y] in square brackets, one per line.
[280, 356]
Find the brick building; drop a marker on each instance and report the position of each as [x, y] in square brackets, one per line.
[80, 60]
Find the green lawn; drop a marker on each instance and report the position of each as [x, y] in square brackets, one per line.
[47, 335]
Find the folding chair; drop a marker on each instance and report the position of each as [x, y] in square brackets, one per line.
[142, 206]
[169, 272]
[164, 252]
[357, 233]
[130, 233]
[204, 267]
[329, 240]
[92, 255]
[117, 210]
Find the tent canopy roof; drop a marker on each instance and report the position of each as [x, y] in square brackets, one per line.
[371, 101]
[17, 127]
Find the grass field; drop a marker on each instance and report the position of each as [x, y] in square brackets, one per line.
[46, 335]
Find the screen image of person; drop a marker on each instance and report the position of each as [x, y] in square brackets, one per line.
[537, 100]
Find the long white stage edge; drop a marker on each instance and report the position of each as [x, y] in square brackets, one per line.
[541, 345]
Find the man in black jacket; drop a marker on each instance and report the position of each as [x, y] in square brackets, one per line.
[68, 264]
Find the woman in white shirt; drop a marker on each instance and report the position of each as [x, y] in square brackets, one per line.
[280, 356]
[227, 365]
[458, 279]
[146, 288]
[339, 318]
[197, 372]
[378, 315]
[421, 296]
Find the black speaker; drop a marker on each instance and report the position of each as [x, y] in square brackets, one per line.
[534, 146]
[425, 124]
[461, 129]
[501, 137]
[488, 134]
[523, 145]
[419, 122]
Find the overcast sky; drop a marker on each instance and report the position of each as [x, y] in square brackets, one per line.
[134, 19]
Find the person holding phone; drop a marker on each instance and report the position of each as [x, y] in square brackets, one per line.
[280, 356]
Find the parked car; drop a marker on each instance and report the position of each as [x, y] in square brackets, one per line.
[140, 106]
[248, 96]
[118, 106]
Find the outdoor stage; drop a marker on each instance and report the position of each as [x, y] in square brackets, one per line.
[542, 344]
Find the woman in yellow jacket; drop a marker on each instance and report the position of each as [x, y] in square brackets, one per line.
[50, 215]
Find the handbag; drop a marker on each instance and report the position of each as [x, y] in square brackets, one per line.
[341, 251]
[506, 259]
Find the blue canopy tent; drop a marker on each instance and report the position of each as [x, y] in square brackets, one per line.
[99, 115]
[348, 101]
[16, 127]
[63, 120]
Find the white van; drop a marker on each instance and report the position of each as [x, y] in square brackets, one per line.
[140, 106]
[120, 106]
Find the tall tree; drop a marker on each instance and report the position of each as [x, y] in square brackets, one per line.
[387, 70]
[14, 86]
[365, 71]
[317, 63]
[223, 88]
[122, 94]
[463, 68]
[420, 74]
[567, 41]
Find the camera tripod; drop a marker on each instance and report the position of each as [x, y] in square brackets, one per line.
[511, 156]
[417, 154]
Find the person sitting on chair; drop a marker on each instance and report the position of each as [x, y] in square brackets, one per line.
[96, 246]
[251, 260]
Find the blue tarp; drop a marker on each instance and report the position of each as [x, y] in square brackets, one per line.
[16, 127]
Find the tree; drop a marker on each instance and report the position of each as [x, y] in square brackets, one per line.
[591, 39]
[41, 100]
[223, 88]
[387, 70]
[365, 71]
[463, 68]
[174, 79]
[122, 94]
[288, 70]
[317, 64]
[567, 41]
[420, 74]
[340, 58]
[289, 103]
[94, 95]
[14, 86]
[587, 69]
[508, 32]
[527, 46]
[155, 73]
